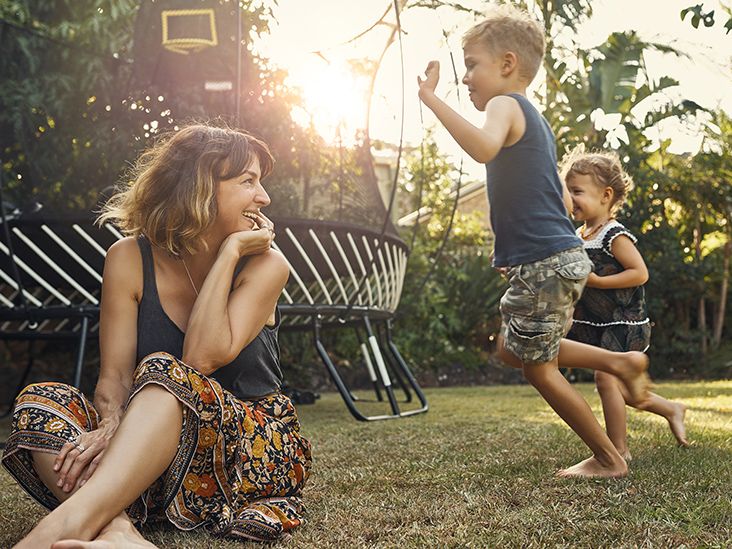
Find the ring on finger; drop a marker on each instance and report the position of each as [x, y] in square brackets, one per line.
[80, 447]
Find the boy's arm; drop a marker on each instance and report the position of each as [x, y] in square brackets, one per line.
[482, 144]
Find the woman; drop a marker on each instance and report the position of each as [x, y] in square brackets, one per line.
[197, 433]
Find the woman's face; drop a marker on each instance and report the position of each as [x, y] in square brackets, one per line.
[239, 197]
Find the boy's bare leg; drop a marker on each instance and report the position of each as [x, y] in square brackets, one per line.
[140, 451]
[120, 531]
[613, 409]
[673, 412]
[629, 367]
[574, 410]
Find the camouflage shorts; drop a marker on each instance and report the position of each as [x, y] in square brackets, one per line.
[537, 308]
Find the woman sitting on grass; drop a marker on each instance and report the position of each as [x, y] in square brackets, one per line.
[188, 425]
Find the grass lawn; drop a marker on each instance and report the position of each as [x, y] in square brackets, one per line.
[477, 471]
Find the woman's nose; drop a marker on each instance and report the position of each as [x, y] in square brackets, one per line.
[262, 197]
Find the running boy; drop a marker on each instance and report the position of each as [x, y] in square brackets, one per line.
[534, 238]
[612, 311]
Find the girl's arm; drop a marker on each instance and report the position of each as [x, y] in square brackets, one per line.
[635, 272]
[222, 321]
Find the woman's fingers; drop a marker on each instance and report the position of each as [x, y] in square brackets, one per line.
[61, 456]
[89, 471]
[77, 467]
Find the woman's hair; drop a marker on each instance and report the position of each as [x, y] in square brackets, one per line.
[170, 192]
[605, 170]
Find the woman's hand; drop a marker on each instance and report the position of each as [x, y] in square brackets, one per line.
[77, 461]
[251, 242]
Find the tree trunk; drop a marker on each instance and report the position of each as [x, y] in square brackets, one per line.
[722, 309]
[702, 310]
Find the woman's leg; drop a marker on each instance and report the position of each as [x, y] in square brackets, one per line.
[613, 408]
[119, 531]
[140, 451]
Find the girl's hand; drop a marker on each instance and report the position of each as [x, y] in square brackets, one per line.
[432, 77]
[593, 280]
[78, 460]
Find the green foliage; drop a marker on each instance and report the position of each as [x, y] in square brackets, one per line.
[450, 292]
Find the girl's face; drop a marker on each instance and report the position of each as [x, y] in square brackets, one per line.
[239, 197]
[590, 201]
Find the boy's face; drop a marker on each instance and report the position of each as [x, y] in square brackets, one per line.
[483, 74]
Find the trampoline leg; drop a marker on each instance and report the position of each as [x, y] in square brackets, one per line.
[404, 368]
[393, 368]
[81, 351]
[335, 376]
[381, 366]
[369, 366]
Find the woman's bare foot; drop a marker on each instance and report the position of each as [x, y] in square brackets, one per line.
[635, 378]
[107, 540]
[592, 468]
[676, 422]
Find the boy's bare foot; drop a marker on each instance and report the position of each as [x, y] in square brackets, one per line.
[591, 468]
[676, 422]
[635, 378]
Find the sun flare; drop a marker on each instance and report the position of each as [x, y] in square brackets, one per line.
[334, 98]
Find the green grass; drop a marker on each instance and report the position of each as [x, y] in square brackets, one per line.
[477, 471]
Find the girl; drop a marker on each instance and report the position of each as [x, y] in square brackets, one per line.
[188, 425]
[612, 310]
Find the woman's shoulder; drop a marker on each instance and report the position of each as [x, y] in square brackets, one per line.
[123, 264]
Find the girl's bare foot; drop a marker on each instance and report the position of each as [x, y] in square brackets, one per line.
[635, 378]
[592, 468]
[676, 422]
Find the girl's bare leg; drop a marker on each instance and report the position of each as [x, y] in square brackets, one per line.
[613, 408]
[140, 451]
[673, 412]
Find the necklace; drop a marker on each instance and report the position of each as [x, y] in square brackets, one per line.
[594, 231]
[189, 276]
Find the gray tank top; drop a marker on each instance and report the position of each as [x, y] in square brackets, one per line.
[254, 373]
[528, 215]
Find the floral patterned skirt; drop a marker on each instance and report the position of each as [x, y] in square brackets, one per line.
[239, 469]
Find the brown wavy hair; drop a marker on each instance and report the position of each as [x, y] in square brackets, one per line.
[170, 192]
[605, 169]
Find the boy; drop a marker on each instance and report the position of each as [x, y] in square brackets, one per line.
[535, 242]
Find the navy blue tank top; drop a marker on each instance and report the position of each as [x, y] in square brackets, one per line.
[253, 374]
[528, 215]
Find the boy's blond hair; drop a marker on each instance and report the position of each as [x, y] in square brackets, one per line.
[509, 29]
[604, 168]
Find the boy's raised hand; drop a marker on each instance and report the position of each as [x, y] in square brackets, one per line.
[431, 78]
